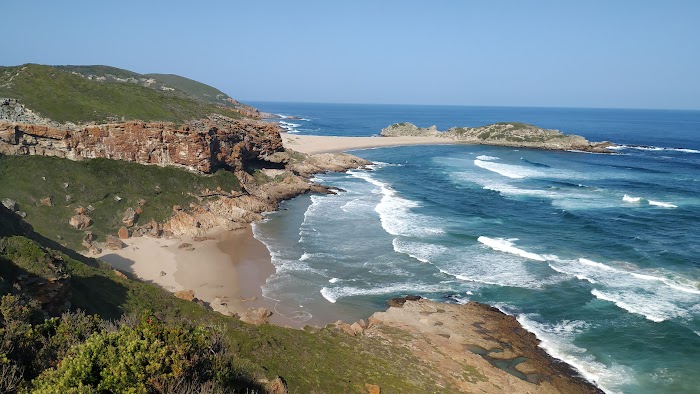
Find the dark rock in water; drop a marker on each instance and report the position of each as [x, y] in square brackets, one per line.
[398, 302]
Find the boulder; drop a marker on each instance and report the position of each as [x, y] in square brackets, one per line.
[88, 238]
[187, 295]
[373, 389]
[398, 302]
[80, 221]
[46, 201]
[80, 210]
[123, 233]
[114, 243]
[130, 217]
[119, 274]
[277, 386]
[256, 316]
[10, 204]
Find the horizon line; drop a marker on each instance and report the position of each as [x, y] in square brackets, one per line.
[466, 105]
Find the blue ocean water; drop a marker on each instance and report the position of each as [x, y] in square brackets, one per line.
[595, 254]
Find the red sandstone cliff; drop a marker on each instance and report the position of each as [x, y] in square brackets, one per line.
[206, 145]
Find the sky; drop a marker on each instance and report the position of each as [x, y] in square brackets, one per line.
[565, 53]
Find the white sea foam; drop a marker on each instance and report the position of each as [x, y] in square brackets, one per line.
[503, 245]
[658, 312]
[557, 339]
[507, 170]
[424, 252]
[333, 280]
[636, 200]
[662, 204]
[487, 158]
[395, 212]
[474, 265]
[658, 296]
[333, 294]
[654, 148]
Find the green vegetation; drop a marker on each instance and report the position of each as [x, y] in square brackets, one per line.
[65, 97]
[106, 188]
[194, 88]
[516, 125]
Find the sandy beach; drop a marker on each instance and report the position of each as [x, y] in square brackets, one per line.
[311, 144]
[226, 270]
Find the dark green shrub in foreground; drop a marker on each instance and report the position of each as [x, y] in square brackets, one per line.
[148, 356]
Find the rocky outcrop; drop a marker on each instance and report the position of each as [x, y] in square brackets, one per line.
[475, 348]
[203, 146]
[504, 134]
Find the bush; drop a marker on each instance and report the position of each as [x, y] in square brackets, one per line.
[150, 356]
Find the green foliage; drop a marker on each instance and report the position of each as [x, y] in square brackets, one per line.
[194, 88]
[140, 359]
[108, 186]
[66, 97]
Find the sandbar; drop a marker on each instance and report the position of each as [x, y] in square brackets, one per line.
[311, 144]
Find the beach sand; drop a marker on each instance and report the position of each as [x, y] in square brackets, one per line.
[231, 266]
[311, 144]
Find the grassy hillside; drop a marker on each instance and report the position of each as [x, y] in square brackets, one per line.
[108, 186]
[196, 89]
[60, 95]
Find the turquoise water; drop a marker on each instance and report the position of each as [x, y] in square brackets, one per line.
[595, 254]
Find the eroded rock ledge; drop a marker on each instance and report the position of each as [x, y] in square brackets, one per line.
[503, 134]
[203, 146]
[474, 348]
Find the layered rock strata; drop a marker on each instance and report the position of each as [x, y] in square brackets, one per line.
[203, 146]
[504, 134]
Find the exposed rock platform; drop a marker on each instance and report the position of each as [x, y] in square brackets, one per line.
[474, 348]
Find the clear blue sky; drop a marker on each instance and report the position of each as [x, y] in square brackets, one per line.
[622, 54]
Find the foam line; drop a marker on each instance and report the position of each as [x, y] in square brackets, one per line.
[503, 245]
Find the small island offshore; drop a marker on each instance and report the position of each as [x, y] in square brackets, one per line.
[128, 262]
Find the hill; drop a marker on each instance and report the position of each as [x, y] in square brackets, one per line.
[80, 94]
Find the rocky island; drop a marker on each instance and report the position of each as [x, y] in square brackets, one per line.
[519, 135]
[161, 162]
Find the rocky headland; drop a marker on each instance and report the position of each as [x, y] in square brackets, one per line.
[519, 135]
[471, 348]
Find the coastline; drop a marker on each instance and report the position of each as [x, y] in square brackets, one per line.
[313, 144]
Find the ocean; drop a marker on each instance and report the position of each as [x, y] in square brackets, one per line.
[596, 254]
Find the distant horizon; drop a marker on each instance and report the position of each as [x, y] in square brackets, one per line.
[463, 105]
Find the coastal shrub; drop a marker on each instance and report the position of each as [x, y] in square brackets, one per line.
[148, 356]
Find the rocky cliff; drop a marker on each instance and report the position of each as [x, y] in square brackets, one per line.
[504, 134]
[203, 146]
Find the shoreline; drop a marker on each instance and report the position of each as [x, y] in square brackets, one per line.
[226, 270]
[313, 144]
